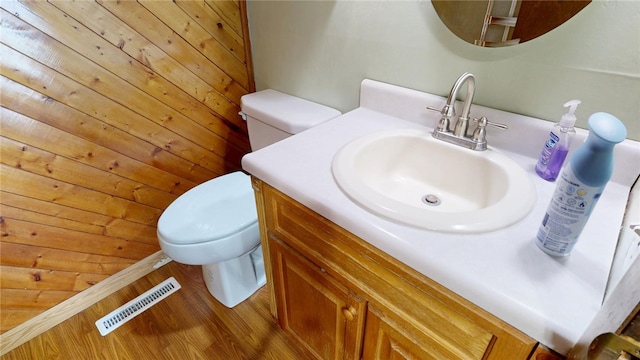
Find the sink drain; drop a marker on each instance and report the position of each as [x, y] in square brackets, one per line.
[431, 200]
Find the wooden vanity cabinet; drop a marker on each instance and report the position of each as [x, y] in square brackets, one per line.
[342, 298]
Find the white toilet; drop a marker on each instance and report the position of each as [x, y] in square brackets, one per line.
[215, 224]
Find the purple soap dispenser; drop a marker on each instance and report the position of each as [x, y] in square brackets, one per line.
[557, 145]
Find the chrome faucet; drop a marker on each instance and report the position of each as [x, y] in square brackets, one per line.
[477, 141]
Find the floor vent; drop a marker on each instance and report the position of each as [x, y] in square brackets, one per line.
[136, 306]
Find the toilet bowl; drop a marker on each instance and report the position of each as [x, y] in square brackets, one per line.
[220, 233]
[215, 223]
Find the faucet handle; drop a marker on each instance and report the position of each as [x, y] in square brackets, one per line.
[483, 122]
[448, 112]
[480, 133]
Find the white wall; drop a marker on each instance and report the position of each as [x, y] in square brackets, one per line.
[321, 50]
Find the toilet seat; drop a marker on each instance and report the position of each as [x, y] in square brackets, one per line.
[215, 221]
[212, 210]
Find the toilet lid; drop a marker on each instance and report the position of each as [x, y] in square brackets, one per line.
[210, 211]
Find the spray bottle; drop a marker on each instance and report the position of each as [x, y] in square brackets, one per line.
[580, 185]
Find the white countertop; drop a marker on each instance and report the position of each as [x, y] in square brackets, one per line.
[551, 300]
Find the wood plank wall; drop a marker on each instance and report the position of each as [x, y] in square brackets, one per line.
[110, 110]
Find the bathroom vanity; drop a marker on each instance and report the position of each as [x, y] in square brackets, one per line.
[342, 297]
[347, 283]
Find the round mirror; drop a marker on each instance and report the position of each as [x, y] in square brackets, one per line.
[495, 23]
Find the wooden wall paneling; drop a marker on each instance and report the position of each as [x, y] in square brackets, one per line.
[119, 228]
[109, 111]
[26, 299]
[17, 207]
[23, 183]
[147, 75]
[28, 233]
[15, 317]
[200, 12]
[204, 98]
[150, 27]
[62, 260]
[230, 12]
[169, 13]
[26, 304]
[48, 213]
[48, 164]
[24, 129]
[47, 110]
[161, 125]
[49, 279]
[21, 211]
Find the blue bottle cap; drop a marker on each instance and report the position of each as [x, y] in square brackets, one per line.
[607, 128]
[592, 163]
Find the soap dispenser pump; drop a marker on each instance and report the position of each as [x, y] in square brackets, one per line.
[556, 148]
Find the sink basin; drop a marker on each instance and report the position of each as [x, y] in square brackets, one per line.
[412, 178]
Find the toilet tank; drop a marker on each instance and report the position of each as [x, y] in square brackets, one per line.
[272, 116]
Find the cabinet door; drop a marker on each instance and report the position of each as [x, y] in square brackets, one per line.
[314, 308]
[386, 338]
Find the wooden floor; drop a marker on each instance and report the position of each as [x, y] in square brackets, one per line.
[189, 324]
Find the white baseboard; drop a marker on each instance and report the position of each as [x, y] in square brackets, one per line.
[72, 306]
